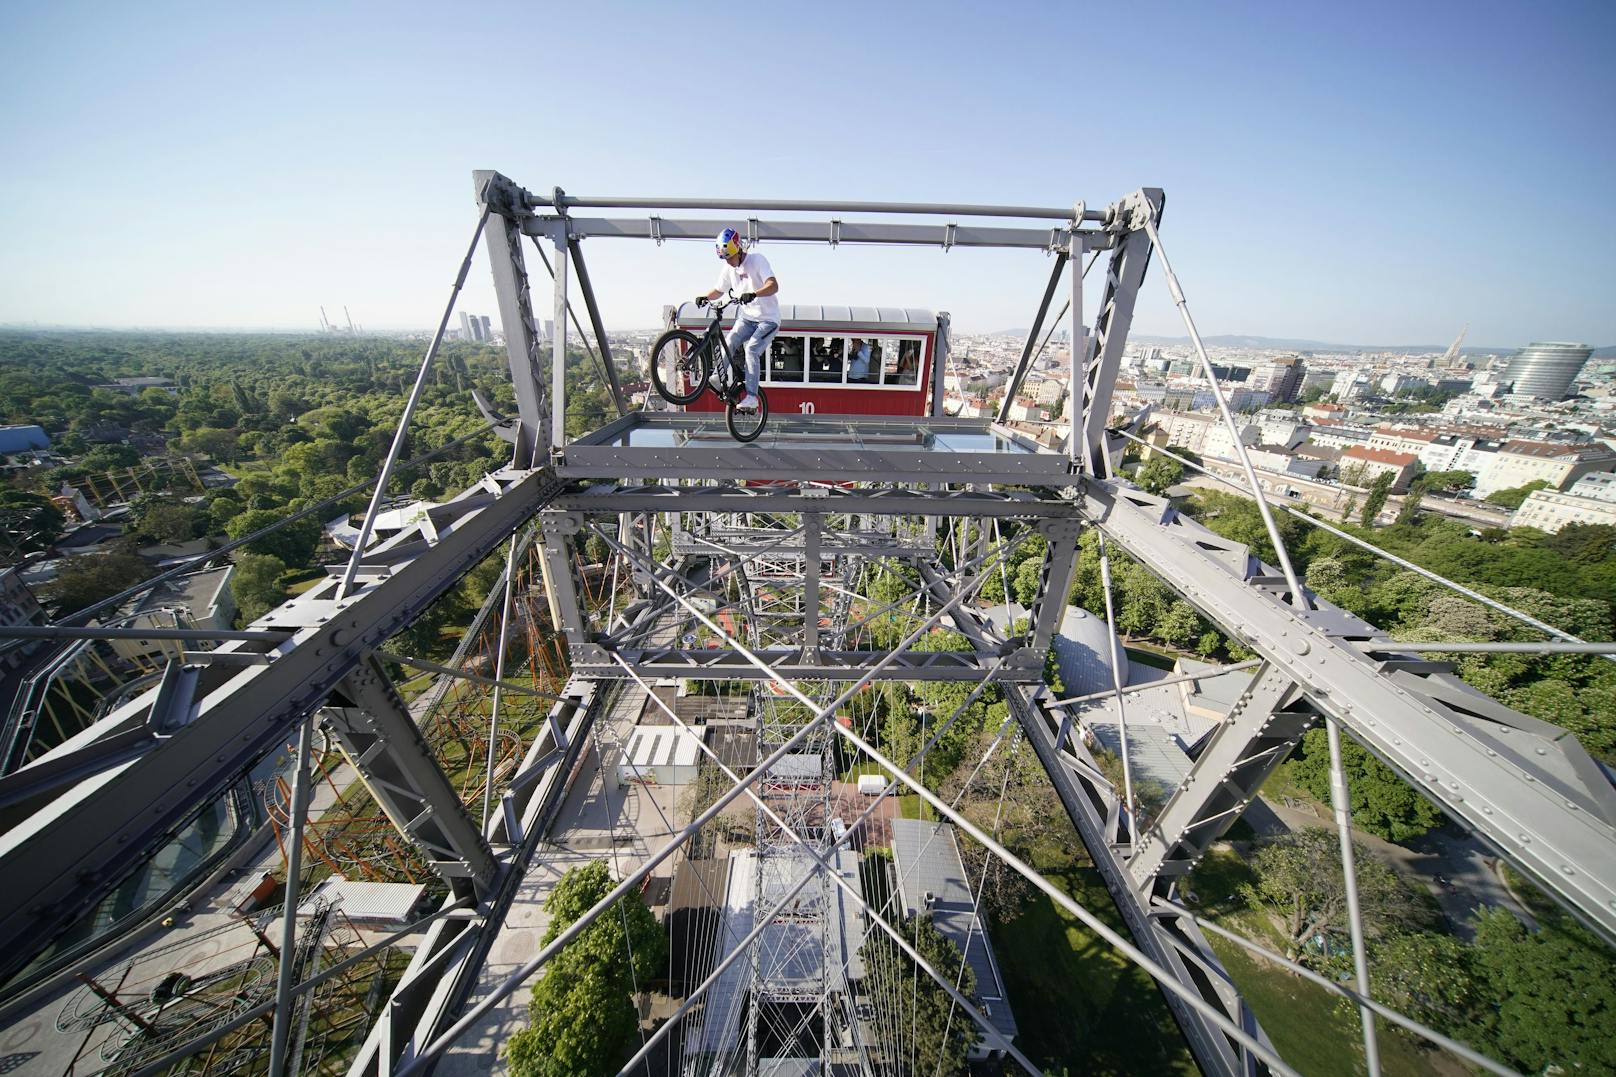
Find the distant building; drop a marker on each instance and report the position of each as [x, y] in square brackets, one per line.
[1546, 371]
[1403, 439]
[1339, 435]
[28, 438]
[136, 386]
[1361, 466]
[1219, 441]
[1516, 463]
[1601, 486]
[1186, 429]
[1316, 412]
[1350, 385]
[1281, 378]
[1549, 511]
[199, 600]
[476, 328]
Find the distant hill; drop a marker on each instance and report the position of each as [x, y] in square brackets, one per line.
[1235, 340]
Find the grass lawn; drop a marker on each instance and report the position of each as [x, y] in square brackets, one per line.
[1081, 1007]
[913, 807]
[1306, 1023]
[1311, 1030]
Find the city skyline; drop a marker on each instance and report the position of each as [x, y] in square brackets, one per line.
[1324, 179]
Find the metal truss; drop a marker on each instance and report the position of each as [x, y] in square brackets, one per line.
[211, 722]
[769, 542]
[1527, 788]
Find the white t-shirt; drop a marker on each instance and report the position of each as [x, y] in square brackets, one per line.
[749, 277]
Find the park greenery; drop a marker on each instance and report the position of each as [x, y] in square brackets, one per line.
[294, 420]
[1541, 999]
[938, 1033]
[583, 1012]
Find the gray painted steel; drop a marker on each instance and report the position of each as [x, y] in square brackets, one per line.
[70, 852]
[1526, 787]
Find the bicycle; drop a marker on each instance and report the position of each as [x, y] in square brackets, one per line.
[683, 365]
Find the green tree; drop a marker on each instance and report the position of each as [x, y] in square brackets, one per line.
[1512, 497]
[1158, 474]
[257, 585]
[90, 577]
[1379, 490]
[1409, 510]
[28, 522]
[1449, 482]
[1299, 882]
[1554, 991]
[941, 1036]
[1383, 804]
[582, 1013]
[167, 521]
[294, 544]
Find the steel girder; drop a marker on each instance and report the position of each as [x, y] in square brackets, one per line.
[1125, 272]
[1254, 738]
[71, 851]
[921, 235]
[891, 501]
[443, 973]
[1524, 786]
[514, 294]
[381, 739]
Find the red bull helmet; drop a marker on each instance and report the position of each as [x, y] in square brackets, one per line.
[729, 244]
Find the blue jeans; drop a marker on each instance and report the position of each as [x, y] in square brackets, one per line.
[755, 337]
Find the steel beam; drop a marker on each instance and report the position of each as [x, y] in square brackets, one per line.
[1056, 238]
[513, 292]
[599, 328]
[728, 665]
[1525, 787]
[890, 501]
[74, 849]
[1255, 737]
[1028, 349]
[1090, 410]
[941, 209]
[382, 741]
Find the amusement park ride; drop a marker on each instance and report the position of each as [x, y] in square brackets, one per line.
[765, 542]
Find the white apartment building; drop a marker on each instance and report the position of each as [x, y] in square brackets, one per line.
[1281, 428]
[1601, 486]
[1349, 385]
[1219, 440]
[1401, 439]
[1024, 410]
[1276, 459]
[1340, 436]
[1050, 390]
[1187, 429]
[1549, 511]
[1516, 463]
[1394, 383]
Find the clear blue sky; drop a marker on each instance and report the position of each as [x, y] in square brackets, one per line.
[1368, 173]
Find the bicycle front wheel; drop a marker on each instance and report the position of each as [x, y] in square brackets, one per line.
[679, 366]
[747, 425]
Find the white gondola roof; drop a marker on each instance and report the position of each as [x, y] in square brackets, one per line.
[810, 315]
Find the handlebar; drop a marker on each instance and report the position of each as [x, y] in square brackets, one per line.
[717, 305]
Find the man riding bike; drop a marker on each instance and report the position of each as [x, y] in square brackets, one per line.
[751, 278]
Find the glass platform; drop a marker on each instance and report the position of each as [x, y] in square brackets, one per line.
[828, 448]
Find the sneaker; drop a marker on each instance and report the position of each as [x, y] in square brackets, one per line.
[747, 403]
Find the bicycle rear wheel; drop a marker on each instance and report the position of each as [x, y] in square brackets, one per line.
[747, 425]
[679, 366]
